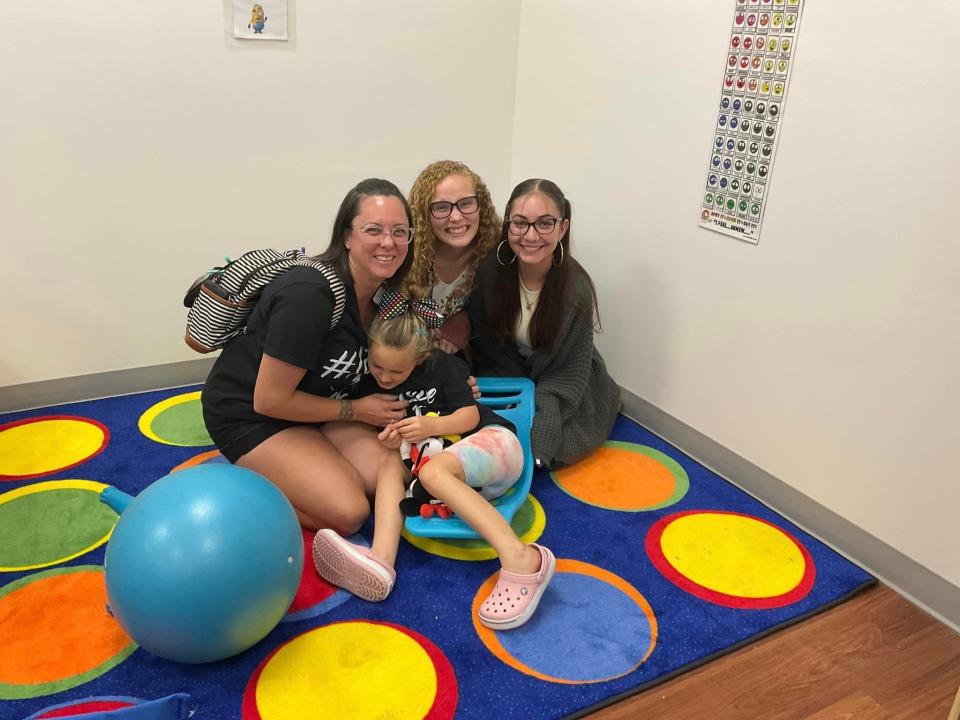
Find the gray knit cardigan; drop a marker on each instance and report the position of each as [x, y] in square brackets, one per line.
[577, 400]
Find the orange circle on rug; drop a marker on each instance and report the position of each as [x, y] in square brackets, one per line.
[202, 458]
[731, 559]
[353, 669]
[65, 608]
[625, 476]
[34, 447]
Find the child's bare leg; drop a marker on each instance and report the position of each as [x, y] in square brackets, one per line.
[388, 520]
[369, 574]
[443, 478]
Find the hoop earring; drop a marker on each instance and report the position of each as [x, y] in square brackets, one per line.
[498, 255]
[557, 264]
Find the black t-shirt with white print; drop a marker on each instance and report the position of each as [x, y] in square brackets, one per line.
[290, 322]
[438, 384]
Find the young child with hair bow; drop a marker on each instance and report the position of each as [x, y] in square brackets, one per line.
[488, 458]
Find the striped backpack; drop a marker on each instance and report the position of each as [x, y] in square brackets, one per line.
[221, 300]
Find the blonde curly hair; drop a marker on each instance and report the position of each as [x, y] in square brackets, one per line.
[422, 272]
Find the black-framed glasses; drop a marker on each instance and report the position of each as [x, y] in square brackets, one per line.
[543, 225]
[443, 209]
[374, 233]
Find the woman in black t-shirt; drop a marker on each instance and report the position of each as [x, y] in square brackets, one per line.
[276, 399]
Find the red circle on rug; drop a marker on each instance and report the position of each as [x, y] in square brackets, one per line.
[39, 446]
[712, 553]
[83, 707]
[315, 596]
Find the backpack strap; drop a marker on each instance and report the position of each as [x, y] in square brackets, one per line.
[337, 287]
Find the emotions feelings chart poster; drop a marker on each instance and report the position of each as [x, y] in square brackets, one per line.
[749, 119]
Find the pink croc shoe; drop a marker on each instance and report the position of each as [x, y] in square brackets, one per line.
[515, 597]
[352, 567]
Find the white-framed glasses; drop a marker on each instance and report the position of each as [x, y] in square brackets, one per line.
[373, 233]
[543, 225]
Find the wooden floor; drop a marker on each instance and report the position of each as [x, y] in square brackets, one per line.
[875, 657]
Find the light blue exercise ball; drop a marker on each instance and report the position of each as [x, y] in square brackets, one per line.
[203, 563]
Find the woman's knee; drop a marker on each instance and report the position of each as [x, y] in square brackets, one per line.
[345, 516]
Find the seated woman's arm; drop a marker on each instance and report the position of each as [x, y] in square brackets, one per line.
[454, 334]
[562, 386]
[276, 395]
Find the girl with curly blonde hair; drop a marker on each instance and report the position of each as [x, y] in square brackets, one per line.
[456, 225]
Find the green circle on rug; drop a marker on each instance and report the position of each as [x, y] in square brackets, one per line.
[51, 522]
[176, 421]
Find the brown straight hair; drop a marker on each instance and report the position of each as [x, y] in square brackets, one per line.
[337, 254]
[545, 323]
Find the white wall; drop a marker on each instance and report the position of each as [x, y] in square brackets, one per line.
[829, 354]
[140, 143]
[137, 147]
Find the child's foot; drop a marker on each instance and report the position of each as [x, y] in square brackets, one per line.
[515, 597]
[352, 567]
[527, 561]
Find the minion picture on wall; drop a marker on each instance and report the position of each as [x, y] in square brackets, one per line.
[261, 20]
[257, 18]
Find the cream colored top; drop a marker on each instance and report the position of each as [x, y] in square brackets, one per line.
[528, 305]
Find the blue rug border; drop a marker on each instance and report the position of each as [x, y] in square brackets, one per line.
[544, 486]
[667, 677]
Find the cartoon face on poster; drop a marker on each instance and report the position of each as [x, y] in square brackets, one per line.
[757, 67]
[260, 19]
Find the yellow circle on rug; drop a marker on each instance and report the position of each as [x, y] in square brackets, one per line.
[625, 476]
[45, 445]
[731, 559]
[56, 632]
[352, 670]
[178, 420]
[528, 524]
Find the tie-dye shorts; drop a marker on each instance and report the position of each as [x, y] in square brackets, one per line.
[492, 459]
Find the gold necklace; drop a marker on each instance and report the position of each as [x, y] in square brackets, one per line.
[530, 297]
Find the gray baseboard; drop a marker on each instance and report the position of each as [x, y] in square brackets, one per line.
[106, 384]
[916, 583]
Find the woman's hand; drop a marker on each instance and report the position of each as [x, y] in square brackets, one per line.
[474, 388]
[379, 410]
[447, 346]
[390, 437]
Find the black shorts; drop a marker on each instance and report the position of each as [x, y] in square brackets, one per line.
[235, 438]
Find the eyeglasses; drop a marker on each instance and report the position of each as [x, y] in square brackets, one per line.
[443, 209]
[543, 225]
[376, 233]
